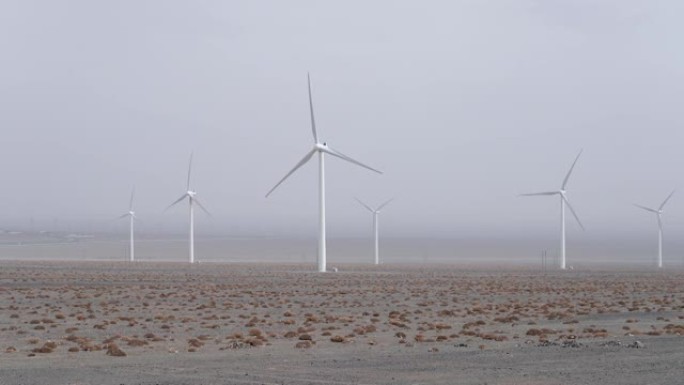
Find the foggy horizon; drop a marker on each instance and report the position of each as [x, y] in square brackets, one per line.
[462, 105]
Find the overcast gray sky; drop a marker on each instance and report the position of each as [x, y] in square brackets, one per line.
[463, 104]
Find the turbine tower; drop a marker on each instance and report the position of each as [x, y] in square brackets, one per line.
[563, 202]
[658, 213]
[376, 217]
[131, 215]
[321, 149]
[192, 199]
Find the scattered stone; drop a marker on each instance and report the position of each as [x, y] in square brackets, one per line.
[636, 345]
[303, 345]
[572, 344]
[546, 343]
[612, 344]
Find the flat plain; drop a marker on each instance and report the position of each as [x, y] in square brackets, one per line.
[210, 323]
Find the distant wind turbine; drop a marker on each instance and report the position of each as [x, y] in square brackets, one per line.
[563, 201]
[192, 199]
[321, 149]
[376, 217]
[658, 213]
[131, 215]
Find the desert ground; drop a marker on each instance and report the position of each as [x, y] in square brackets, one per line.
[172, 323]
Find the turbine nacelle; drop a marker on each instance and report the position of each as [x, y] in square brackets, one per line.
[191, 194]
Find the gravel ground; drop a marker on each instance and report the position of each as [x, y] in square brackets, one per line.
[120, 323]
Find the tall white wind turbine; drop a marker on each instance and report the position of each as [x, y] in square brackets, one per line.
[376, 224]
[658, 213]
[192, 199]
[131, 216]
[563, 202]
[321, 149]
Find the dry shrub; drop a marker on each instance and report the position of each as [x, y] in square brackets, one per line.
[493, 337]
[534, 332]
[255, 333]
[290, 334]
[74, 349]
[337, 338]
[114, 350]
[48, 347]
[195, 343]
[10, 349]
[303, 345]
[507, 320]
[305, 337]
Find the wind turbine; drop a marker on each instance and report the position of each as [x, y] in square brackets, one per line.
[658, 213]
[376, 214]
[563, 201]
[192, 199]
[321, 149]
[131, 215]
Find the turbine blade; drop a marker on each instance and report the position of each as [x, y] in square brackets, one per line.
[340, 155]
[646, 208]
[300, 164]
[364, 205]
[540, 193]
[189, 171]
[565, 181]
[574, 214]
[313, 121]
[195, 200]
[130, 205]
[385, 204]
[123, 216]
[176, 201]
[666, 199]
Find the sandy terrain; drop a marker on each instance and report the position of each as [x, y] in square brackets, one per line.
[155, 323]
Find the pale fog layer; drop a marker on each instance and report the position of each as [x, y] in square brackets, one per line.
[603, 252]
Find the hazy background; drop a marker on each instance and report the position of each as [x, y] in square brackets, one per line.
[463, 104]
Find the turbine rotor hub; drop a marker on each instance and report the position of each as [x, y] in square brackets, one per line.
[321, 146]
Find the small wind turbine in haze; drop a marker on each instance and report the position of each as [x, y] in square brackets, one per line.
[658, 213]
[131, 215]
[192, 198]
[321, 149]
[376, 217]
[563, 201]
